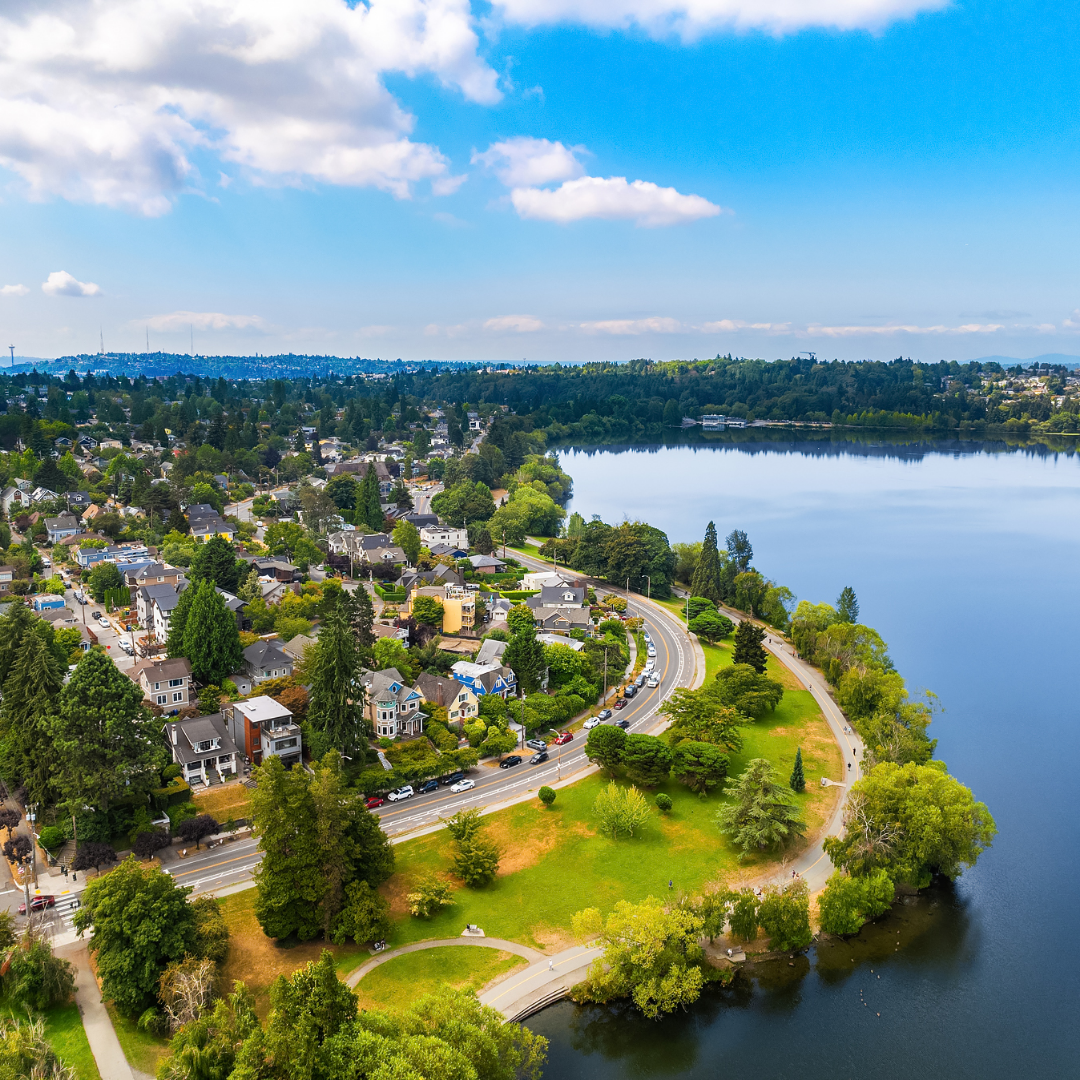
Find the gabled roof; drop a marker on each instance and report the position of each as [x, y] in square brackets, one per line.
[440, 690]
[266, 654]
[161, 670]
[484, 561]
[197, 729]
[491, 651]
[387, 683]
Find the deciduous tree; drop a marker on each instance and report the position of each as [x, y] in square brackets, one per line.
[784, 915]
[747, 690]
[699, 715]
[847, 902]
[621, 811]
[430, 895]
[712, 626]
[605, 746]
[647, 760]
[700, 766]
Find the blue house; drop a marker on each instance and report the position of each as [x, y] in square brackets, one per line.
[484, 679]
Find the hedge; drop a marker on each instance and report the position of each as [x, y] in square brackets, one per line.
[175, 793]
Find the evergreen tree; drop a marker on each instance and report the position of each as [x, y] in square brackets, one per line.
[748, 648]
[26, 715]
[483, 543]
[174, 647]
[251, 587]
[847, 607]
[369, 501]
[14, 626]
[797, 783]
[739, 550]
[215, 561]
[706, 580]
[105, 742]
[336, 702]
[524, 655]
[361, 618]
[760, 814]
[211, 636]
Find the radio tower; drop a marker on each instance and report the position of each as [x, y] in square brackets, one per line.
[101, 351]
[12, 348]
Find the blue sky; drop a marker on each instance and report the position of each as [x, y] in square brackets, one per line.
[550, 179]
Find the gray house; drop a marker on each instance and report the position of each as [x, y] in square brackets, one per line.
[202, 748]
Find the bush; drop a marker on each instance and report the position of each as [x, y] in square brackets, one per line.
[93, 854]
[430, 895]
[546, 795]
[51, 838]
[441, 736]
[170, 773]
[663, 801]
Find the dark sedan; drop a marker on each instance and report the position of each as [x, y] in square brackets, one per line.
[510, 762]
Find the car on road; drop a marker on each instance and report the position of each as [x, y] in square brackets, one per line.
[538, 759]
[405, 792]
[452, 778]
[653, 682]
[621, 703]
[640, 681]
[510, 762]
[622, 722]
[426, 786]
[463, 785]
[38, 903]
[593, 721]
[630, 690]
[536, 744]
[46, 562]
[648, 636]
[374, 801]
[652, 653]
[563, 738]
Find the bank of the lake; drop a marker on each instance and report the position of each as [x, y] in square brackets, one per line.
[963, 557]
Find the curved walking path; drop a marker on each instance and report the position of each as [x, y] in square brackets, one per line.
[438, 943]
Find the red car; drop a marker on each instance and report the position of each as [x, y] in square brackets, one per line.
[38, 903]
[373, 802]
[621, 703]
[563, 738]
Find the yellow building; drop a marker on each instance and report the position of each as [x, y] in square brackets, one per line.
[459, 606]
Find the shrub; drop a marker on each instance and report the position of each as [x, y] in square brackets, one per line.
[476, 862]
[546, 795]
[18, 847]
[51, 838]
[663, 801]
[170, 773]
[621, 810]
[430, 895]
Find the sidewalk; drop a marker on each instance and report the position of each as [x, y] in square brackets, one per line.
[541, 983]
[104, 1044]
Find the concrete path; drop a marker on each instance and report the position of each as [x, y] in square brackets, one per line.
[104, 1044]
[541, 983]
[417, 946]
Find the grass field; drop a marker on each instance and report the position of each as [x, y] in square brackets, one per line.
[142, 1050]
[224, 802]
[399, 982]
[64, 1030]
[554, 863]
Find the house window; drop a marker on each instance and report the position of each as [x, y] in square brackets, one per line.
[163, 699]
[285, 744]
[176, 682]
[157, 686]
[178, 695]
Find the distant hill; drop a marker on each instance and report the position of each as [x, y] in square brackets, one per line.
[1046, 358]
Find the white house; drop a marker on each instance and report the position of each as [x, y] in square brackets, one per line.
[441, 534]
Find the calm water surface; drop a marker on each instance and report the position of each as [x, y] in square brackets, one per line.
[965, 559]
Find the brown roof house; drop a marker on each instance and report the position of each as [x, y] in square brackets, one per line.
[164, 682]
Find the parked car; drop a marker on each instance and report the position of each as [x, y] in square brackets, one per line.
[453, 778]
[648, 637]
[426, 786]
[536, 744]
[652, 652]
[604, 714]
[536, 759]
[653, 682]
[463, 785]
[405, 792]
[593, 721]
[563, 738]
[510, 762]
[641, 680]
[629, 691]
[621, 703]
[622, 722]
[38, 903]
[95, 615]
[373, 801]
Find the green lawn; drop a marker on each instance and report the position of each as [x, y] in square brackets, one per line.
[64, 1030]
[399, 982]
[142, 1050]
[554, 863]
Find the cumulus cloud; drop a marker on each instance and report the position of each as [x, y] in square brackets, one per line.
[515, 324]
[692, 18]
[655, 325]
[105, 101]
[203, 320]
[614, 199]
[891, 329]
[61, 283]
[13, 290]
[525, 162]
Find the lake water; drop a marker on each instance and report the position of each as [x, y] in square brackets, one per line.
[965, 558]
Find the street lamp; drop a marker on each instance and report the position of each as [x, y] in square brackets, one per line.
[649, 580]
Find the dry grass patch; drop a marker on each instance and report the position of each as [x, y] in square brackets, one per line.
[230, 801]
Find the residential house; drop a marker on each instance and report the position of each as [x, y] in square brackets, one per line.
[153, 573]
[206, 523]
[273, 591]
[459, 606]
[385, 630]
[91, 512]
[459, 701]
[491, 651]
[7, 576]
[391, 705]
[123, 555]
[263, 728]
[276, 569]
[560, 619]
[485, 678]
[60, 617]
[372, 549]
[43, 494]
[439, 575]
[295, 646]
[166, 683]
[47, 601]
[386, 472]
[448, 549]
[61, 527]
[559, 639]
[498, 609]
[202, 748]
[154, 605]
[537, 579]
[16, 498]
[431, 535]
[267, 660]
[421, 521]
[237, 606]
[77, 501]
[558, 596]
[487, 564]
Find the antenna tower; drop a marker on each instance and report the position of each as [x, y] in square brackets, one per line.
[12, 348]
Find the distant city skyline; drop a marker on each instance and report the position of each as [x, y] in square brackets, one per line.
[558, 180]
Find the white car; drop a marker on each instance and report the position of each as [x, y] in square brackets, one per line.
[653, 682]
[652, 653]
[593, 721]
[463, 785]
[405, 792]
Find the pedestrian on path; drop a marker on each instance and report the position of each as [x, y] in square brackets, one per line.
[551, 965]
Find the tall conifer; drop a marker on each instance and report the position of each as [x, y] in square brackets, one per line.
[798, 780]
[706, 580]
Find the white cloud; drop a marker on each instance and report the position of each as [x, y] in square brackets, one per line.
[612, 198]
[726, 326]
[203, 320]
[104, 101]
[692, 18]
[525, 162]
[515, 324]
[889, 330]
[13, 290]
[655, 325]
[61, 283]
